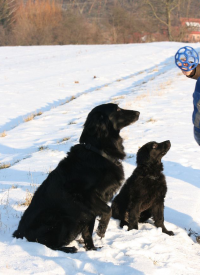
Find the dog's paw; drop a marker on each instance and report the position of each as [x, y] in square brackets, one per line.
[87, 248]
[101, 230]
[72, 249]
[132, 227]
[122, 223]
[170, 233]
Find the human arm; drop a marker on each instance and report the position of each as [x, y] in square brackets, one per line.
[194, 74]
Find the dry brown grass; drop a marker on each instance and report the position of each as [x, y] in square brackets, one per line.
[152, 120]
[34, 19]
[4, 165]
[67, 101]
[39, 114]
[64, 139]
[45, 22]
[13, 187]
[163, 85]
[72, 98]
[72, 122]
[3, 134]
[142, 96]
[31, 117]
[118, 97]
[41, 148]
[155, 69]
[160, 91]
[28, 199]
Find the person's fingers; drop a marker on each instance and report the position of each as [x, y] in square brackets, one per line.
[187, 72]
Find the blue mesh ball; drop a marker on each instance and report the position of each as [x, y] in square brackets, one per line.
[186, 58]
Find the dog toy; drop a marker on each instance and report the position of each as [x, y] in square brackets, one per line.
[186, 58]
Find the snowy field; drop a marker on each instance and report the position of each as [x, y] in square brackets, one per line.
[46, 94]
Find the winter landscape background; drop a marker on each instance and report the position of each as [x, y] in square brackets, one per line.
[46, 93]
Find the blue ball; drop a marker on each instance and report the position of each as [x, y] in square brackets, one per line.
[186, 58]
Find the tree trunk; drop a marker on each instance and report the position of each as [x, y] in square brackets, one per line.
[168, 14]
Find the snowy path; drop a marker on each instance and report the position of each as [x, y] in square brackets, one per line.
[140, 77]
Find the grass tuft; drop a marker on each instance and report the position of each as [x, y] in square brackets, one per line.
[3, 134]
[152, 120]
[31, 117]
[28, 199]
[4, 165]
[41, 148]
[63, 139]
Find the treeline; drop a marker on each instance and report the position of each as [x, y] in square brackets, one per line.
[52, 22]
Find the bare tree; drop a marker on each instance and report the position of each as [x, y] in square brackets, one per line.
[169, 7]
[7, 10]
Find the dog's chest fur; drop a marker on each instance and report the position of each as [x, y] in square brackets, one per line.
[148, 191]
[110, 183]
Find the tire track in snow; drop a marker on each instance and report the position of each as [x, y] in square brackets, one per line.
[149, 74]
[142, 78]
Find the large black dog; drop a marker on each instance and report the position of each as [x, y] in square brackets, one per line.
[143, 194]
[77, 191]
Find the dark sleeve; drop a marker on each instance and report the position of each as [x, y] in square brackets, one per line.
[195, 74]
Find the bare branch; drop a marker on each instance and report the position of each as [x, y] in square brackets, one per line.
[154, 12]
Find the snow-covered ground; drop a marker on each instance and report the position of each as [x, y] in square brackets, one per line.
[64, 83]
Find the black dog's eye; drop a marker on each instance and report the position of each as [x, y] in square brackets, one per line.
[118, 109]
[155, 146]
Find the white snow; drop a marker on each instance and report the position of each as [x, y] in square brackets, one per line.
[141, 77]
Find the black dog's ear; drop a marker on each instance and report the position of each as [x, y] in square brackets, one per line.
[97, 124]
[155, 145]
[143, 155]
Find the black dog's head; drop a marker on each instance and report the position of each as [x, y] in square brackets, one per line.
[152, 152]
[106, 120]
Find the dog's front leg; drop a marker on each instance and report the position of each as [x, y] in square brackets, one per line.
[134, 215]
[103, 223]
[158, 216]
[87, 237]
[104, 211]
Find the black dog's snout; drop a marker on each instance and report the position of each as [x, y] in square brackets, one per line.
[168, 143]
[137, 113]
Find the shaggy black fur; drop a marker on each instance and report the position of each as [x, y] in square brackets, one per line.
[143, 194]
[77, 191]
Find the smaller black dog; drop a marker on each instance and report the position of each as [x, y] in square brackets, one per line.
[143, 194]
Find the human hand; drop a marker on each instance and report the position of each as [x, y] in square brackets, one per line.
[187, 73]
